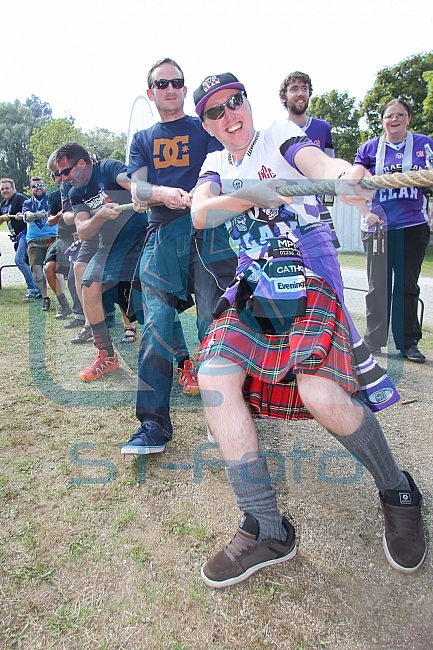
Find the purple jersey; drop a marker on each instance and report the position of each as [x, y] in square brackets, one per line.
[319, 132]
[403, 207]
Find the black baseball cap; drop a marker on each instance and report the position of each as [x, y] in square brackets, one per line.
[211, 85]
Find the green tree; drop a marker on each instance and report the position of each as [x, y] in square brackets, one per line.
[103, 143]
[427, 107]
[51, 136]
[406, 80]
[17, 122]
[341, 112]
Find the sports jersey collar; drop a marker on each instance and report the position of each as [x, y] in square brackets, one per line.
[407, 156]
[248, 152]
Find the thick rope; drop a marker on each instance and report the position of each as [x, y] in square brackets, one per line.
[421, 178]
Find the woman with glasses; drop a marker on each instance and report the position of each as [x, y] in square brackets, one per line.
[394, 266]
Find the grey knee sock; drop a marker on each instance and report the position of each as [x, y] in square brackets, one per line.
[369, 444]
[252, 486]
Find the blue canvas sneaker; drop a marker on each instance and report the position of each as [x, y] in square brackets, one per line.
[148, 439]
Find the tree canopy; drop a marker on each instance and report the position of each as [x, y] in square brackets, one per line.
[50, 137]
[343, 116]
[17, 122]
[409, 81]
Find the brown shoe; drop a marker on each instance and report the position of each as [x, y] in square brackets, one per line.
[403, 538]
[245, 554]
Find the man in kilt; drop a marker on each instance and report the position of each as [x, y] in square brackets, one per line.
[96, 188]
[281, 344]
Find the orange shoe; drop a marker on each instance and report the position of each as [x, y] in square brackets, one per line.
[188, 378]
[101, 364]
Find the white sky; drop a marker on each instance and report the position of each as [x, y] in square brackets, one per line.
[89, 58]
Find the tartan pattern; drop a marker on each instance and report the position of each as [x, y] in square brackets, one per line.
[115, 264]
[317, 343]
[56, 252]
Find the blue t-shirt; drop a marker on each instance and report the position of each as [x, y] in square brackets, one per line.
[173, 152]
[39, 228]
[101, 189]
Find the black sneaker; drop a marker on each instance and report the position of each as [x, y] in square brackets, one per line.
[46, 304]
[413, 354]
[148, 439]
[32, 295]
[63, 311]
[76, 322]
[403, 538]
[245, 555]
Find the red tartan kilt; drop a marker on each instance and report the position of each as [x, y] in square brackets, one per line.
[317, 343]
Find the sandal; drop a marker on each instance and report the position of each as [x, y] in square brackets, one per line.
[130, 335]
[84, 335]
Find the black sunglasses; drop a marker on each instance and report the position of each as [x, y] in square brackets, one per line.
[233, 103]
[36, 185]
[162, 84]
[66, 171]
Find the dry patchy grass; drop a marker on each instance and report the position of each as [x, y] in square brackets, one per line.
[105, 553]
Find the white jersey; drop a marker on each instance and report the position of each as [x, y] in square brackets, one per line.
[270, 155]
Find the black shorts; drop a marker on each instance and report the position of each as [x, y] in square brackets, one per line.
[87, 250]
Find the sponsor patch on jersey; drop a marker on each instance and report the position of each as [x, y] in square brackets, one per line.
[420, 153]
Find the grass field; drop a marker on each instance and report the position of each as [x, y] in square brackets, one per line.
[103, 553]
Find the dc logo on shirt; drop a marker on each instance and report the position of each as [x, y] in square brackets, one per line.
[237, 184]
[171, 153]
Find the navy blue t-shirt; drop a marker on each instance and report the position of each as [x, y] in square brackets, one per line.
[101, 189]
[174, 153]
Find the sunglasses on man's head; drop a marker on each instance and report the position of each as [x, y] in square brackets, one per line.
[233, 103]
[162, 84]
[38, 185]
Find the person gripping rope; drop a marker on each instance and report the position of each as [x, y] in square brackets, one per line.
[283, 325]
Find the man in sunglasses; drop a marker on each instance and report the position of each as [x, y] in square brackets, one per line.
[295, 92]
[164, 163]
[40, 234]
[96, 188]
[281, 346]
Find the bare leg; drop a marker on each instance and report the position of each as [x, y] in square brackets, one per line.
[55, 280]
[230, 422]
[79, 268]
[329, 404]
[92, 302]
[227, 415]
[38, 277]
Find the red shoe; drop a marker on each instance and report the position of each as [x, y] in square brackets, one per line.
[188, 378]
[101, 364]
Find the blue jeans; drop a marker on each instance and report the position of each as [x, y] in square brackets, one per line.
[181, 272]
[20, 261]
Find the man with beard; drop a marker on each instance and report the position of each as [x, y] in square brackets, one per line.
[295, 93]
[40, 235]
